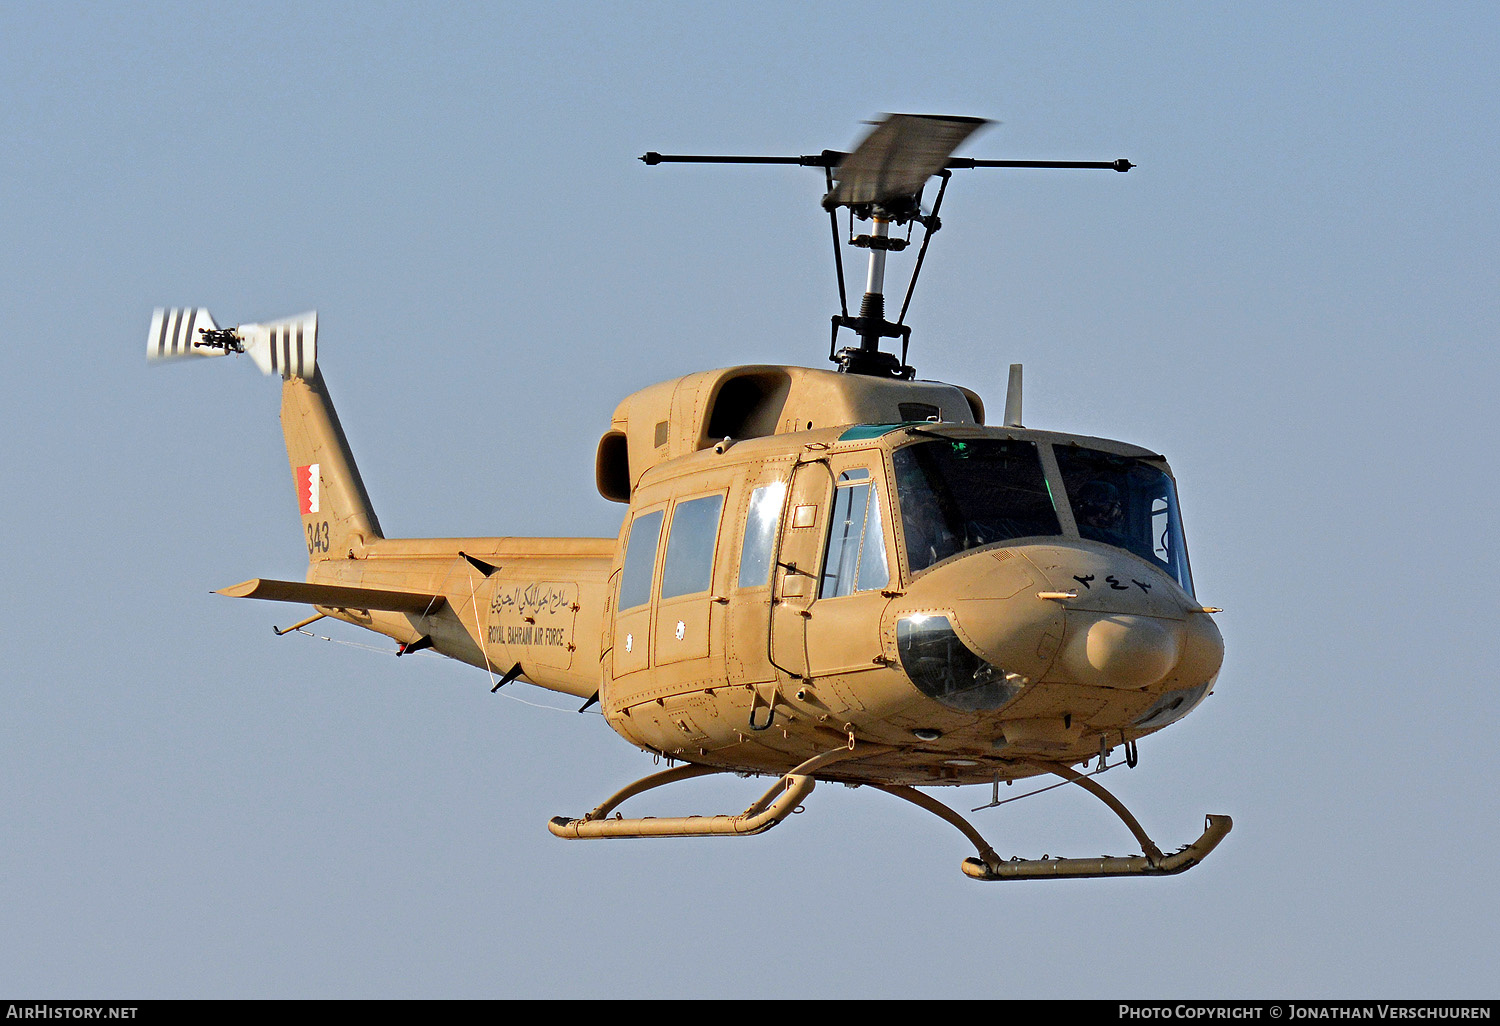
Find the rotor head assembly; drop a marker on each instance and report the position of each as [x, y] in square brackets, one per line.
[882, 181]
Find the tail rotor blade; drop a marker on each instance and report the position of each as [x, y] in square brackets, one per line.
[176, 333]
[288, 347]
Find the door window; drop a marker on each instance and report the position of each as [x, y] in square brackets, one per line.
[855, 560]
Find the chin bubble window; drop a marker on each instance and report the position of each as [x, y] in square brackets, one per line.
[942, 667]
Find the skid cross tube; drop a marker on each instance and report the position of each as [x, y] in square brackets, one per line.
[771, 808]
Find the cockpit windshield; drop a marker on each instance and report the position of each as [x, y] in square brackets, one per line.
[1126, 502]
[958, 494]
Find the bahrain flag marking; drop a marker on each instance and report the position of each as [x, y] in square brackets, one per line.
[307, 488]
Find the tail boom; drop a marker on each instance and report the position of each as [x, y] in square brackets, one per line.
[498, 603]
[540, 605]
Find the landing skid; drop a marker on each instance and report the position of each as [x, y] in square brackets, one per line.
[786, 795]
[1215, 827]
[989, 866]
[772, 807]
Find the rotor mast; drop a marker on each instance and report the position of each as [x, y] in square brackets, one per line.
[882, 181]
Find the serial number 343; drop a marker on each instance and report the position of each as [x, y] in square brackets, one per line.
[317, 537]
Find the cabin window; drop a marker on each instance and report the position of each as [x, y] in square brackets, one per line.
[640, 559]
[957, 494]
[1128, 503]
[690, 547]
[761, 521]
[855, 560]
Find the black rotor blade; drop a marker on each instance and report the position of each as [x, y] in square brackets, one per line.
[959, 163]
[896, 159]
[828, 158]
[834, 158]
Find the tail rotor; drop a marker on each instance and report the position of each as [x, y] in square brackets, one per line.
[288, 347]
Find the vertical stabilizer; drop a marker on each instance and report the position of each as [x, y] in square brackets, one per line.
[337, 517]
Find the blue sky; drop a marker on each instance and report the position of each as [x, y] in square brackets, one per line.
[1292, 296]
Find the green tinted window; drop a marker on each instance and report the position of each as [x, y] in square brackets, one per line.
[959, 494]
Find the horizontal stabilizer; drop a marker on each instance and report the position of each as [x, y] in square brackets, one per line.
[288, 347]
[336, 596]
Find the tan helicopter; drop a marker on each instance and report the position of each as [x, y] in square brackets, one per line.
[838, 575]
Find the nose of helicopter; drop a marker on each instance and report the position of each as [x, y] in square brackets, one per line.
[1121, 650]
[1119, 625]
[1128, 626]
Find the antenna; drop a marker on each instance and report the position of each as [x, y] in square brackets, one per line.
[882, 181]
[1013, 397]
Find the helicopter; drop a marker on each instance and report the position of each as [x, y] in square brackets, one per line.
[840, 575]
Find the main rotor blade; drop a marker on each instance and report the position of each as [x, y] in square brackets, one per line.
[896, 159]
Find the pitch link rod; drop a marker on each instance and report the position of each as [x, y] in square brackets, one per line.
[771, 808]
[833, 158]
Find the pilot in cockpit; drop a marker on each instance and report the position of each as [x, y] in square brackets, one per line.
[1100, 512]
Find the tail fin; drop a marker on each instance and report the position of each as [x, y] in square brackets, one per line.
[336, 513]
[337, 517]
